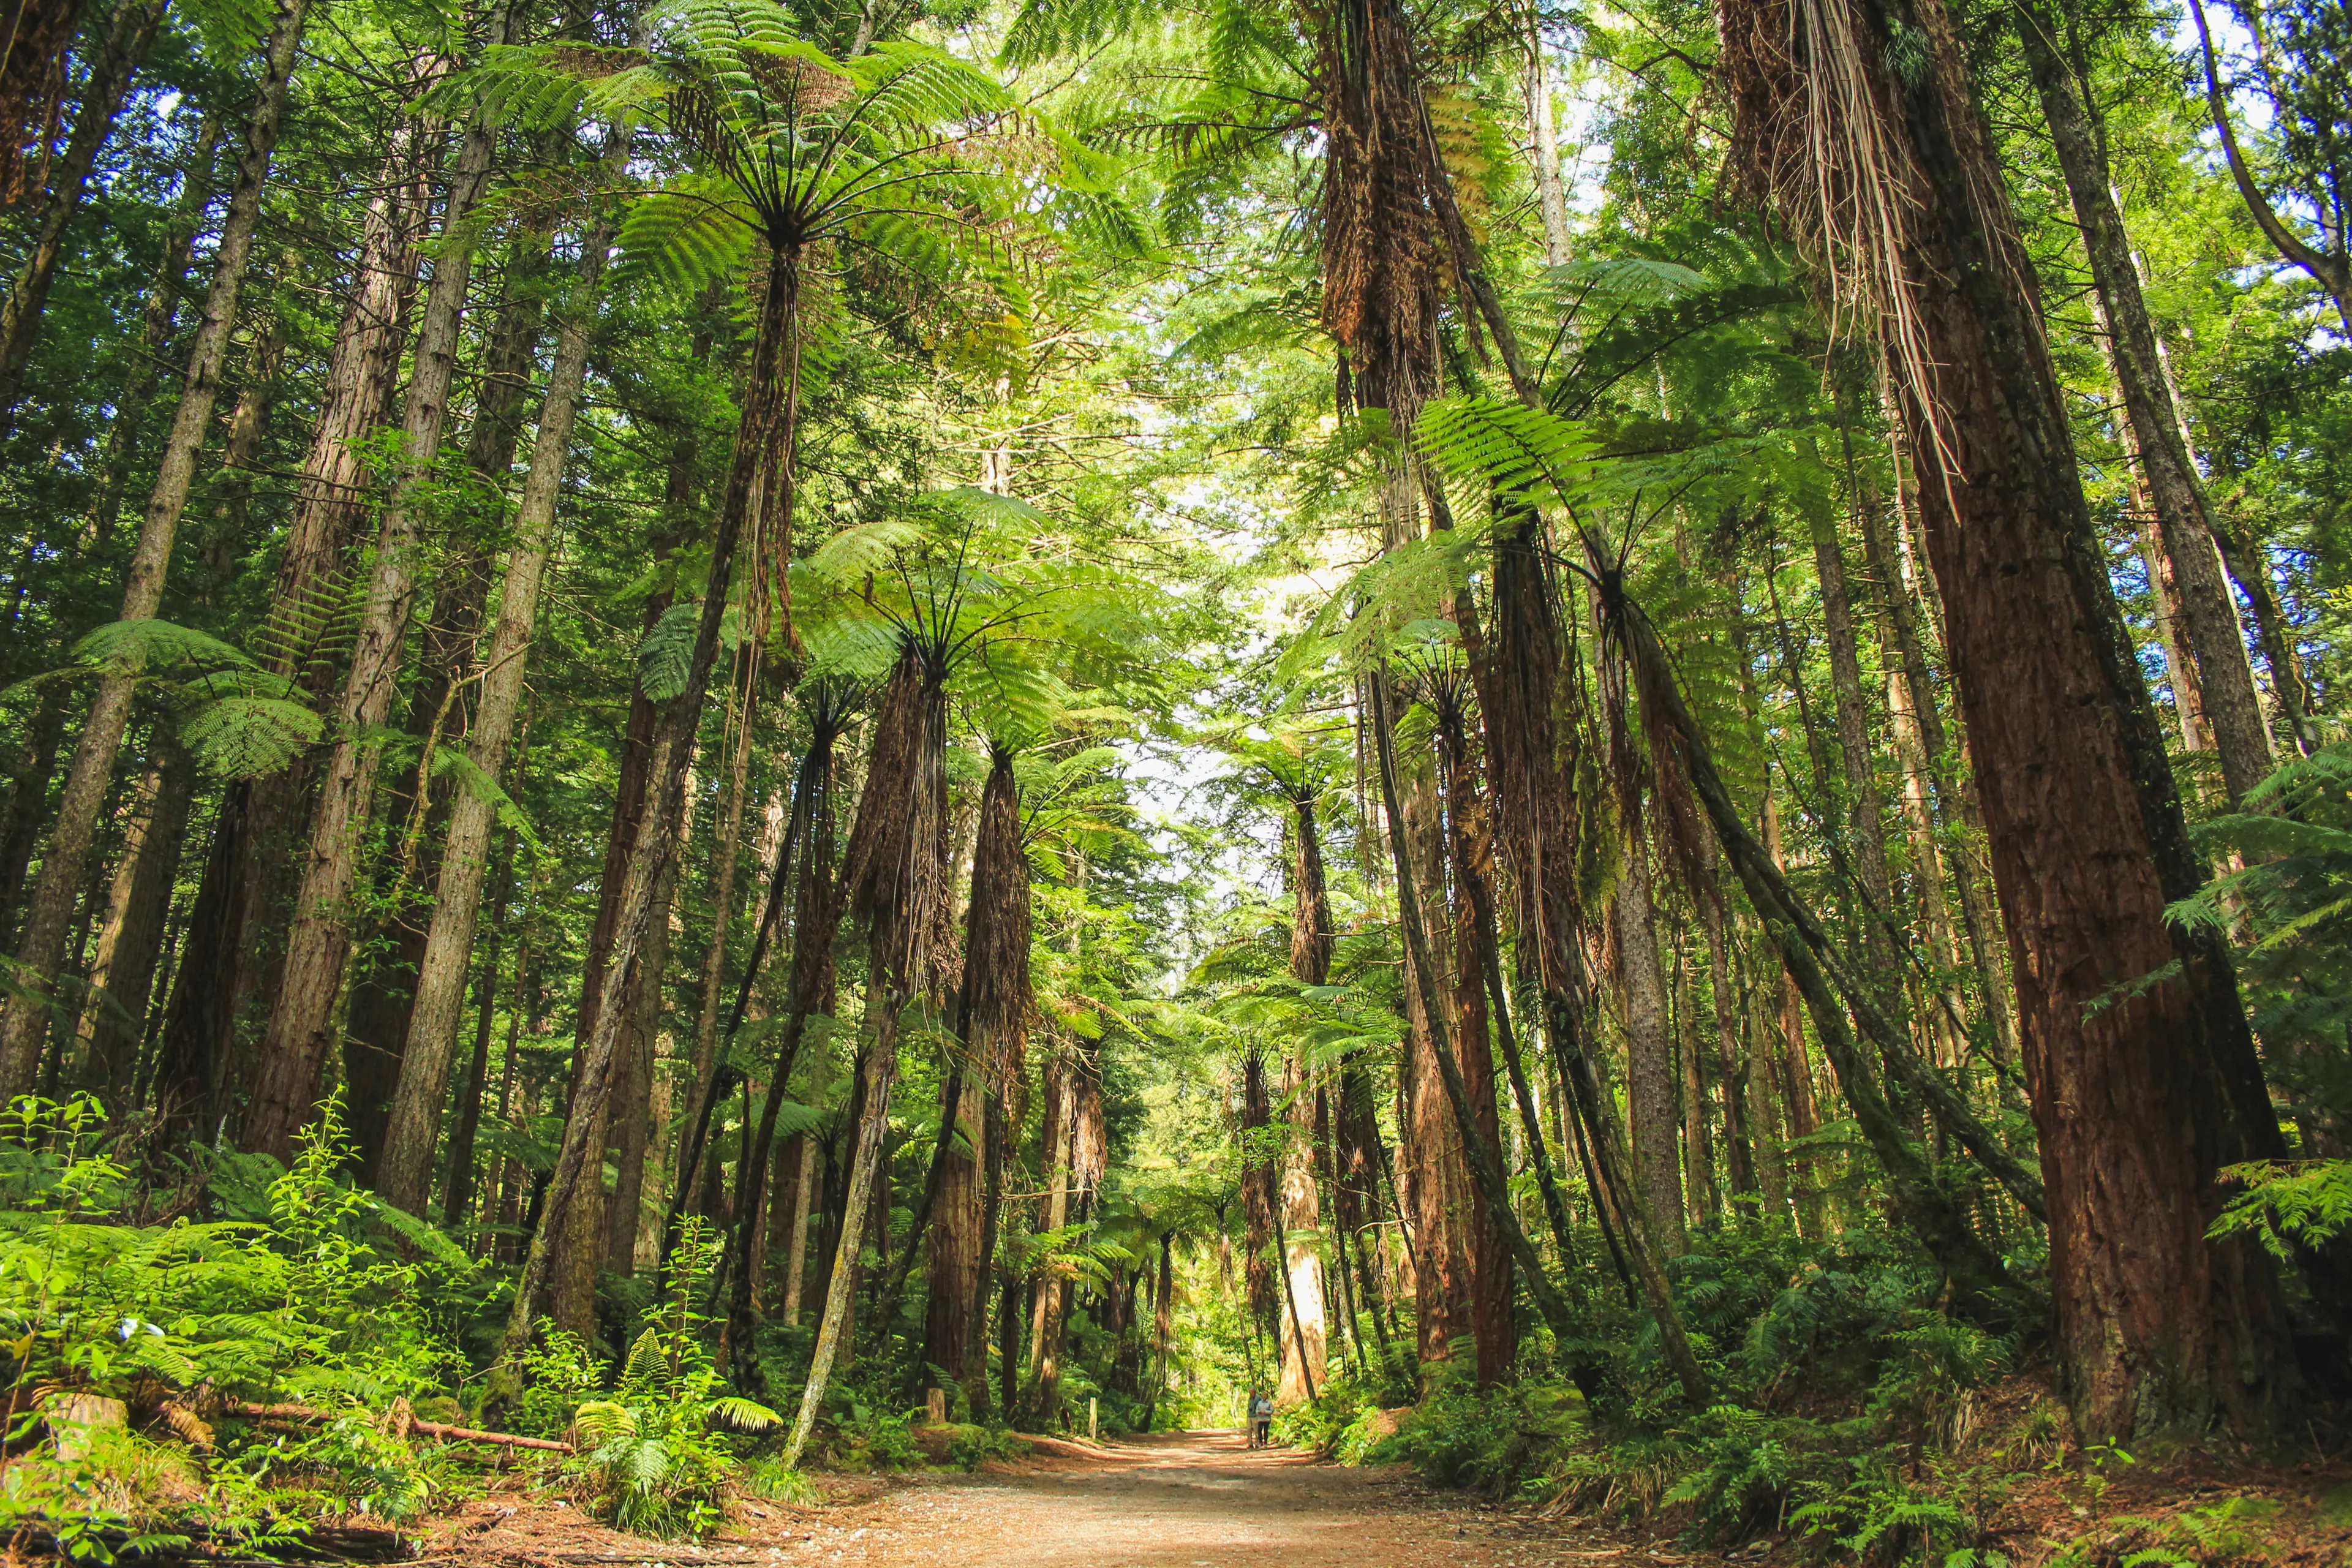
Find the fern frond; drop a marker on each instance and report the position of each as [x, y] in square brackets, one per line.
[136, 647]
[687, 236]
[666, 659]
[251, 737]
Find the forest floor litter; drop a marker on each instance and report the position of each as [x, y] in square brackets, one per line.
[1183, 1499]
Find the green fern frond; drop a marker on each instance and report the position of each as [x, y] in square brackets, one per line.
[1516, 451]
[138, 648]
[666, 659]
[251, 737]
[744, 1415]
[450, 762]
[687, 236]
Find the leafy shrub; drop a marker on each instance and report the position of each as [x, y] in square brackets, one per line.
[370, 1470]
[559, 1374]
[969, 1447]
[867, 1438]
[771, 1479]
[1493, 1442]
[652, 1454]
[1321, 1423]
[299, 1304]
[1746, 1463]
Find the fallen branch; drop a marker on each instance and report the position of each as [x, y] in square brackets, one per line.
[403, 1422]
[1063, 1447]
[194, 1543]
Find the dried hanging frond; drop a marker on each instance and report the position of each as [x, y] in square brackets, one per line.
[1818, 134]
[799, 84]
[896, 875]
[1521, 696]
[999, 1006]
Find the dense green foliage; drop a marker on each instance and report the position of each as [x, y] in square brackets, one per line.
[1067, 727]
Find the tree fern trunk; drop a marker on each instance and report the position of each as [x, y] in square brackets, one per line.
[123, 969]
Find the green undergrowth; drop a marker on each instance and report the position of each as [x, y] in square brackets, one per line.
[1852, 1422]
[139, 1333]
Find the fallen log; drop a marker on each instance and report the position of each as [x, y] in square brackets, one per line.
[194, 1543]
[1063, 1447]
[403, 1422]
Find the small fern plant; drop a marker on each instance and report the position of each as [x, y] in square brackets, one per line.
[657, 1452]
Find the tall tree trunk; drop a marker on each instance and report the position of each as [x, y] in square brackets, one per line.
[1650, 1071]
[895, 881]
[815, 899]
[457, 1189]
[1740, 1132]
[1764, 1106]
[1865, 812]
[2164, 610]
[1525, 680]
[1953, 796]
[1356, 1187]
[414, 1122]
[235, 944]
[2209, 615]
[1258, 1193]
[880, 1073]
[1698, 1106]
[1552, 189]
[1486, 1168]
[128, 32]
[418, 819]
[186, 1070]
[1494, 1328]
[39, 33]
[655, 838]
[710, 1082]
[28, 806]
[608, 1233]
[788, 1242]
[1795, 1067]
[300, 1033]
[114, 1018]
[128, 429]
[1041, 1395]
[1305, 1330]
[41, 947]
[993, 1011]
[2140, 1100]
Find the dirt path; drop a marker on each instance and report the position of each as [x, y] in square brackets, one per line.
[1189, 1500]
[1192, 1500]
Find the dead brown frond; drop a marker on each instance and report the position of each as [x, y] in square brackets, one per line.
[1818, 134]
[998, 1005]
[799, 86]
[896, 873]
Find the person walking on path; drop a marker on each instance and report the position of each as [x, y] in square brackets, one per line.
[1261, 1415]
